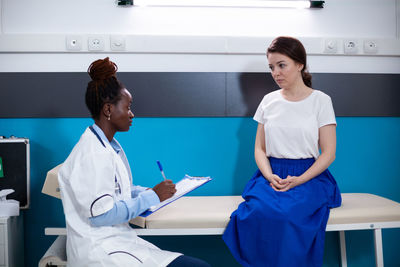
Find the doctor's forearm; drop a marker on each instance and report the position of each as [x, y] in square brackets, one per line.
[141, 203]
[125, 210]
[117, 215]
[136, 190]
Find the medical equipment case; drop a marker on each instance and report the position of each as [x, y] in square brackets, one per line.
[15, 168]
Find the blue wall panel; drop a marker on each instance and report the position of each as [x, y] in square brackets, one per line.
[367, 160]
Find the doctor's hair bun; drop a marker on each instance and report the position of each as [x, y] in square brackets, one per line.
[102, 69]
[104, 87]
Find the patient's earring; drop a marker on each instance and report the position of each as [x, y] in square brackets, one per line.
[109, 117]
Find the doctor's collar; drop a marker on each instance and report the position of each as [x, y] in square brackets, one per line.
[114, 144]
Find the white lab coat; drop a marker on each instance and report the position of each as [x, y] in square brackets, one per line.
[88, 188]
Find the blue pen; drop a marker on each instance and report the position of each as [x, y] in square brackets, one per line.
[161, 170]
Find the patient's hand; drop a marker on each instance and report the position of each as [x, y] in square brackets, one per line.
[290, 182]
[276, 182]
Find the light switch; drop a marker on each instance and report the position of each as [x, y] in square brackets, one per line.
[117, 43]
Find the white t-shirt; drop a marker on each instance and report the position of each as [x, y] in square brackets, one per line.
[291, 128]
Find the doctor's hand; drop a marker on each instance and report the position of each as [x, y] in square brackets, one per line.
[165, 190]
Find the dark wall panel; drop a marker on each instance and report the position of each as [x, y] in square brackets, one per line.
[361, 94]
[43, 95]
[246, 90]
[352, 94]
[172, 94]
[191, 94]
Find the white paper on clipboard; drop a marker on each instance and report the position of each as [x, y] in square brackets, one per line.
[183, 187]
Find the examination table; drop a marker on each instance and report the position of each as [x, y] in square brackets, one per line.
[209, 215]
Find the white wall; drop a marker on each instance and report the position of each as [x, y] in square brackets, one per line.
[33, 35]
[342, 18]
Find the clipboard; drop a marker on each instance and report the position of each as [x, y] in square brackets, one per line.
[183, 187]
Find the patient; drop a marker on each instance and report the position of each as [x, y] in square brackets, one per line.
[282, 221]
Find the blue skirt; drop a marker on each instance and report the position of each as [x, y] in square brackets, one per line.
[284, 229]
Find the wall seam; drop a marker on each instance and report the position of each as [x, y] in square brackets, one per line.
[1, 16]
[397, 5]
[226, 94]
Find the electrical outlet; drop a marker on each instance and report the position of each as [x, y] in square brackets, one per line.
[96, 43]
[73, 42]
[370, 47]
[350, 46]
[117, 43]
[331, 46]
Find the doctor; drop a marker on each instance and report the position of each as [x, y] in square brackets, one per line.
[96, 186]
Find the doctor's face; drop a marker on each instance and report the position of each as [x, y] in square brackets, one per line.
[121, 114]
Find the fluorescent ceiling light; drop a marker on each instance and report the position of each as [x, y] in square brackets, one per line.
[231, 3]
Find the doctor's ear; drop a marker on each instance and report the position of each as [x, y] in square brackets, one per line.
[107, 108]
